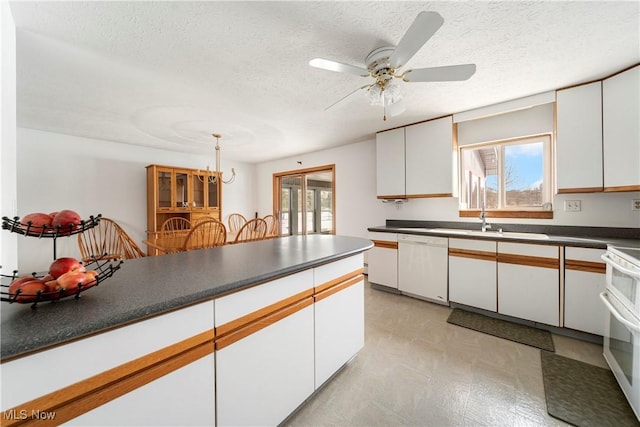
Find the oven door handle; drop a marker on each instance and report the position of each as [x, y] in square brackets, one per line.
[605, 299]
[612, 263]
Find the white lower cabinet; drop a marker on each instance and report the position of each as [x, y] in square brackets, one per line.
[184, 397]
[584, 279]
[263, 377]
[472, 273]
[529, 282]
[382, 260]
[339, 330]
[155, 372]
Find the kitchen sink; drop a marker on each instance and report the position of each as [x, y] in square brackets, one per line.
[496, 234]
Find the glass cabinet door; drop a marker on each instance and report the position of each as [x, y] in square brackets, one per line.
[213, 194]
[198, 182]
[181, 190]
[164, 188]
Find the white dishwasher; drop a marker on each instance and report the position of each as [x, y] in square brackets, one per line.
[422, 266]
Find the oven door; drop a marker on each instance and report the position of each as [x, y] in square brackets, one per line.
[621, 348]
[623, 280]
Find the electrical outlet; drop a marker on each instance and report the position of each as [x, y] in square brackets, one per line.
[572, 205]
[635, 205]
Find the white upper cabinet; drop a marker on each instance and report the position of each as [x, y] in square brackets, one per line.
[579, 139]
[429, 158]
[390, 168]
[621, 109]
[416, 161]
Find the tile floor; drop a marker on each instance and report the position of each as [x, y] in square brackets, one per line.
[417, 370]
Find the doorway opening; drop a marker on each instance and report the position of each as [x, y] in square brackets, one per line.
[304, 201]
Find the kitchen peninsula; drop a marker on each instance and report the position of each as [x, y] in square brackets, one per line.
[204, 335]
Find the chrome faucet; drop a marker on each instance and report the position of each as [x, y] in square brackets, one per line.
[483, 216]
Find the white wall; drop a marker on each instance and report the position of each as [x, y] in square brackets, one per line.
[8, 188]
[355, 167]
[93, 177]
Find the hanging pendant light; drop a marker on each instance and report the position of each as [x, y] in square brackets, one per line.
[212, 177]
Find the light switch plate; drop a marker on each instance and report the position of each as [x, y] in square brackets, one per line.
[572, 205]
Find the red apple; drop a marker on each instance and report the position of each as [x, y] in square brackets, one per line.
[64, 265]
[67, 221]
[71, 280]
[53, 286]
[37, 220]
[15, 284]
[53, 214]
[28, 290]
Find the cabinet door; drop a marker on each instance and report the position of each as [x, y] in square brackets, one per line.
[621, 143]
[339, 330]
[473, 273]
[198, 192]
[579, 139]
[164, 188]
[390, 168]
[584, 279]
[429, 158]
[529, 282]
[184, 397]
[263, 377]
[181, 190]
[382, 260]
[213, 194]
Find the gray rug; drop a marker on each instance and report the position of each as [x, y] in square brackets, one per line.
[503, 329]
[584, 395]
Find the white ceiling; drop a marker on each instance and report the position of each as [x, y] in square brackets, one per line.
[167, 74]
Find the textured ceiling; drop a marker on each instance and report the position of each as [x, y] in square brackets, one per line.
[167, 74]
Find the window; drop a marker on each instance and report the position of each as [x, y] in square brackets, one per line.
[508, 175]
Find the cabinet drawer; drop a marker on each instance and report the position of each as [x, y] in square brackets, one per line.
[473, 245]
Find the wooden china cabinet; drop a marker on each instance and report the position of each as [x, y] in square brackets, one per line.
[187, 193]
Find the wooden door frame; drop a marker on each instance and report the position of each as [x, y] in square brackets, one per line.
[277, 176]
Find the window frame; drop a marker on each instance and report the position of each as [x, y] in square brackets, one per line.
[542, 211]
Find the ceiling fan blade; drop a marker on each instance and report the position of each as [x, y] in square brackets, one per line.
[325, 64]
[421, 30]
[347, 99]
[440, 74]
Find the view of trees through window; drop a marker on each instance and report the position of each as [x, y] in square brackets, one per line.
[507, 174]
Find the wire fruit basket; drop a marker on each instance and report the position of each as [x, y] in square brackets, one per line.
[102, 268]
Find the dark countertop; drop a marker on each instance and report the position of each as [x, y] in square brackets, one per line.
[151, 286]
[586, 237]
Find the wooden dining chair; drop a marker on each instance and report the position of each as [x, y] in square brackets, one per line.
[107, 241]
[175, 225]
[206, 234]
[236, 221]
[272, 225]
[255, 229]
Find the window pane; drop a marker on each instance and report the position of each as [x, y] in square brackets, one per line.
[326, 221]
[523, 172]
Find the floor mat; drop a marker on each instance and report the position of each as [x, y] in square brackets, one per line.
[584, 395]
[501, 328]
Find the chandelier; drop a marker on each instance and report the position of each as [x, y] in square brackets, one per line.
[212, 176]
[386, 92]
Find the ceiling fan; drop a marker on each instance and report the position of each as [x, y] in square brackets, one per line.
[384, 63]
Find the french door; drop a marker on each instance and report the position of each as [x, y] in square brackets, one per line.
[304, 201]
